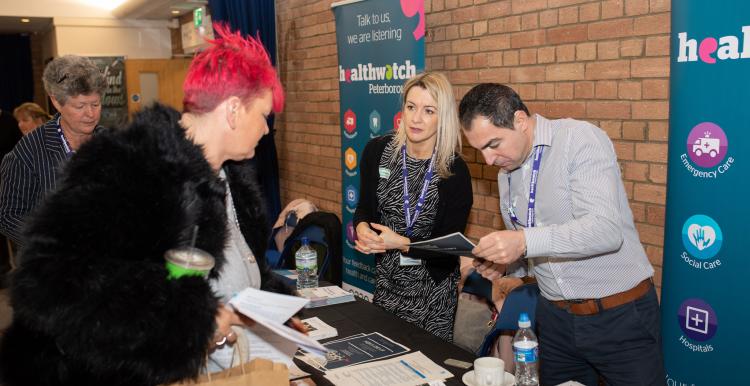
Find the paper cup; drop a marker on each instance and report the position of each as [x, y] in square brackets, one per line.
[489, 371]
[189, 261]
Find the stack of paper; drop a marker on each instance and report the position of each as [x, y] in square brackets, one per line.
[325, 296]
[318, 329]
[288, 276]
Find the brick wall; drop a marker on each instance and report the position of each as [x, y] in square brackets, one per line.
[606, 62]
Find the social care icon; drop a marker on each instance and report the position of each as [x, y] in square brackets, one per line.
[701, 237]
[697, 319]
[707, 144]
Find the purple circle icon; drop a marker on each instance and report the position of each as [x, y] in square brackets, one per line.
[697, 319]
[351, 235]
[707, 144]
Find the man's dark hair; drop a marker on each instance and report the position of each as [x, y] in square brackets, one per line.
[495, 101]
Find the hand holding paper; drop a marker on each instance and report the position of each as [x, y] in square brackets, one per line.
[501, 247]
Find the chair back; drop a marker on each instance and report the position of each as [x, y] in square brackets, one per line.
[520, 299]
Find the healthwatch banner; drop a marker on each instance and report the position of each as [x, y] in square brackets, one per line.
[705, 315]
[380, 46]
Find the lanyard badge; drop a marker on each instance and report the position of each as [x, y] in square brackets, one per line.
[530, 214]
[409, 217]
[66, 146]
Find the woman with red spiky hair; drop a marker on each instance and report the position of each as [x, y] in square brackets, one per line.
[93, 304]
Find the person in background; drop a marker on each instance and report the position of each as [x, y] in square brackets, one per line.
[9, 136]
[565, 208]
[30, 116]
[75, 85]
[92, 300]
[415, 186]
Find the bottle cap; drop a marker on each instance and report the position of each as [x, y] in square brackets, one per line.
[523, 320]
[305, 241]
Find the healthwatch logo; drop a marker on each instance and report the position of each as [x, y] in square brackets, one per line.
[368, 72]
[709, 50]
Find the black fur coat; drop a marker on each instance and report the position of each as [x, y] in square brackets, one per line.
[92, 304]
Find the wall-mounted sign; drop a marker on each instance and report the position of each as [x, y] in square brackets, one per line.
[115, 99]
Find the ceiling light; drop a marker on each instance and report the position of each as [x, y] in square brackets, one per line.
[25, 20]
[175, 12]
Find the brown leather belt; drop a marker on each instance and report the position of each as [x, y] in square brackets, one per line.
[595, 306]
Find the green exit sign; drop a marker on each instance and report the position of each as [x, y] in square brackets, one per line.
[198, 17]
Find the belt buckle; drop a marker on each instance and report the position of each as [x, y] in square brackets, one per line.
[596, 304]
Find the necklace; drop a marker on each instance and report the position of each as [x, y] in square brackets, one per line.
[249, 258]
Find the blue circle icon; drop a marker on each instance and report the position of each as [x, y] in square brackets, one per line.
[351, 196]
[375, 122]
[701, 236]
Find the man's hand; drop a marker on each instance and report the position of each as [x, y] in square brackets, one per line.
[501, 247]
[488, 269]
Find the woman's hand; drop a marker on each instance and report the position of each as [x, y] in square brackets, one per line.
[226, 317]
[391, 239]
[367, 240]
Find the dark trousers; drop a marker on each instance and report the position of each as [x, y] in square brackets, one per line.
[621, 344]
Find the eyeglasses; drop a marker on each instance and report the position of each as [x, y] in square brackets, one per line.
[62, 78]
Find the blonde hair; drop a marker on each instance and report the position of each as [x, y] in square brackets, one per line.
[448, 130]
[33, 110]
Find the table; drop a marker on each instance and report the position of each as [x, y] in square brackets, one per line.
[361, 316]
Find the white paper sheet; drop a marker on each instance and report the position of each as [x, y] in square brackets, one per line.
[406, 370]
[272, 306]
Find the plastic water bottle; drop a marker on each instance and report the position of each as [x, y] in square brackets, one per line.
[306, 261]
[526, 353]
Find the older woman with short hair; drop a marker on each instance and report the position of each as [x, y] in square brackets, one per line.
[30, 116]
[75, 85]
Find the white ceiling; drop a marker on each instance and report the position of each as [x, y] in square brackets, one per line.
[156, 9]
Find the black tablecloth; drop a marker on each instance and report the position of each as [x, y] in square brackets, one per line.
[363, 317]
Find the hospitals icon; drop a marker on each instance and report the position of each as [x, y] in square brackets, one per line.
[696, 320]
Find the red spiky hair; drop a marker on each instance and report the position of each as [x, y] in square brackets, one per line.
[232, 65]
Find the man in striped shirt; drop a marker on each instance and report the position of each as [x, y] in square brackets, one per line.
[566, 213]
[75, 85]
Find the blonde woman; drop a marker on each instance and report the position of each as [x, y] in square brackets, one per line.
[30, 116]
[415, 186]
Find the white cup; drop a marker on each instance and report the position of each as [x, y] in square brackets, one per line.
[489, 371]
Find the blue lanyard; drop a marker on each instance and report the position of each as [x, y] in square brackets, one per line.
[68, 150]
[420, 202]
[530, 214]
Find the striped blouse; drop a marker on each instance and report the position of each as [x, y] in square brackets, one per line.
[27, 173]
[584, 244]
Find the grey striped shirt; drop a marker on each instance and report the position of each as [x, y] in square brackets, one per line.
[584, 244]
[27, 173]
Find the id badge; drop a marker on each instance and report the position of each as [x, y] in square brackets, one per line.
[408, 261]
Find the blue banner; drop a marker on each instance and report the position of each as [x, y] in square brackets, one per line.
[380, 46]
[706, 269]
